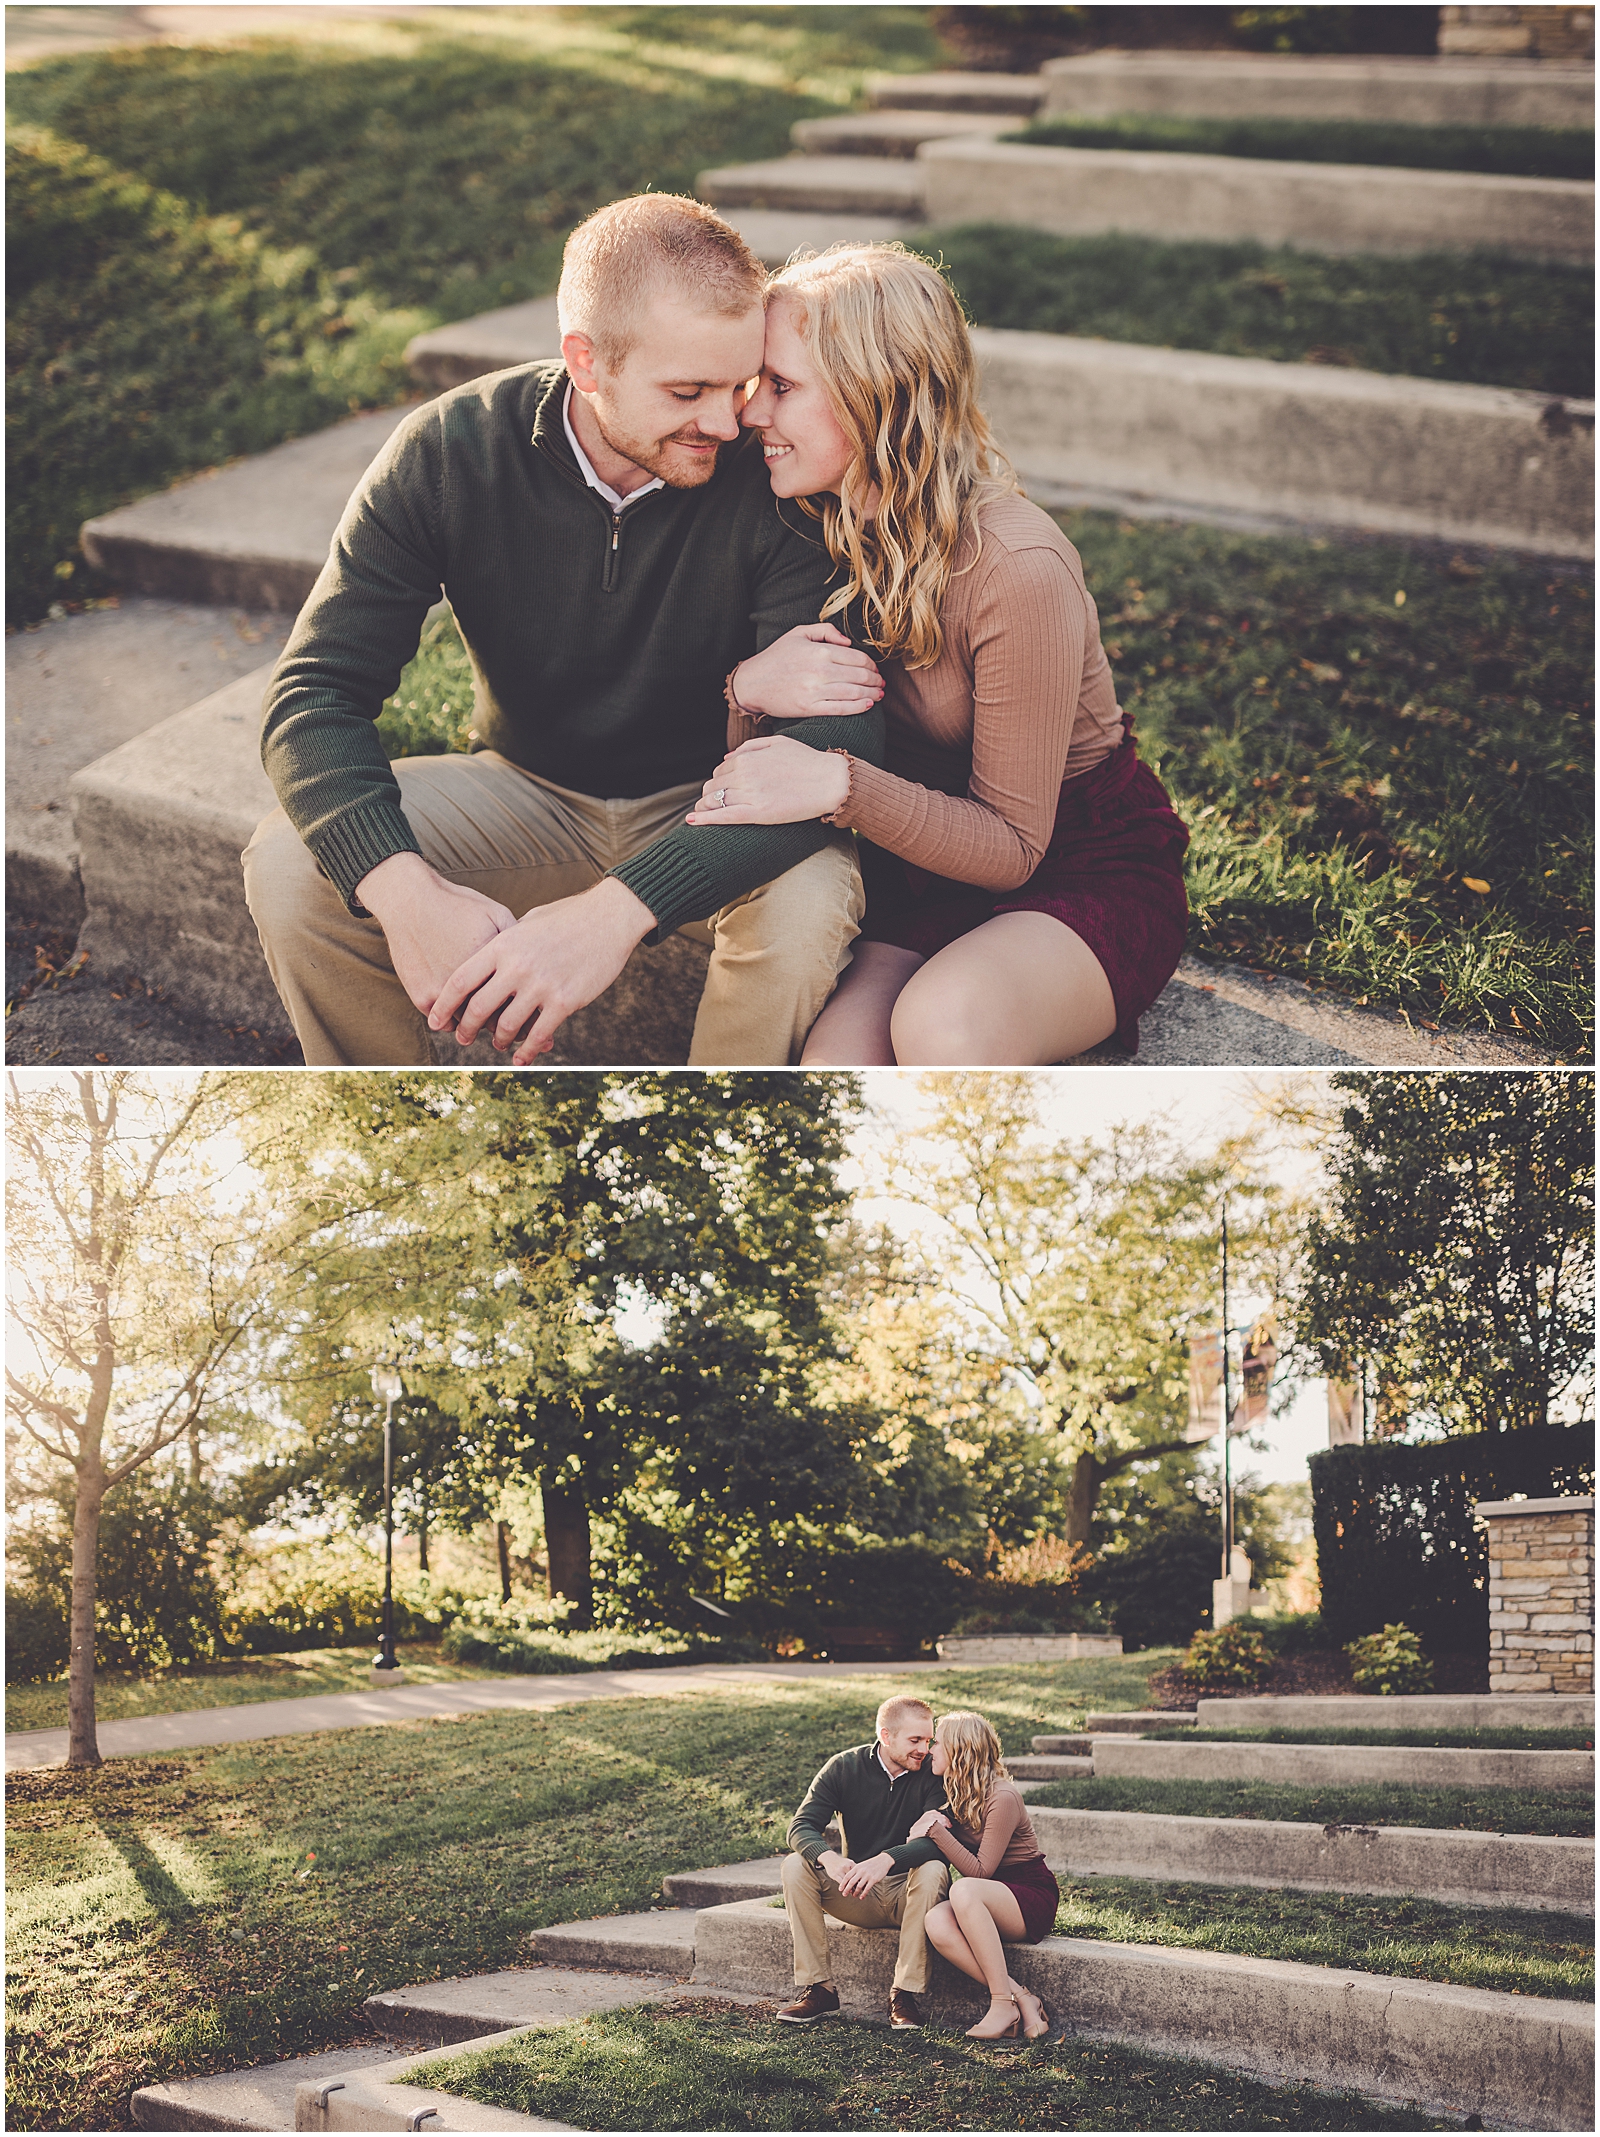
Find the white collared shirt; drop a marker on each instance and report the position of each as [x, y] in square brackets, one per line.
[586, 466]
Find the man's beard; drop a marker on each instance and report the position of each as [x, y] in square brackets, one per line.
[653, 456]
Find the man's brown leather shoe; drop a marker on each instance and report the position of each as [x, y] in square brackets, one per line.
[904, 2010]
[819, 2001]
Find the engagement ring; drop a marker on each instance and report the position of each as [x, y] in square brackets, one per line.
[722, 797]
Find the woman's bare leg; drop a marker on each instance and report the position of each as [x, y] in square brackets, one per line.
[853, 1030]
[945, 1935]
[1021, 990]
[985, 1911]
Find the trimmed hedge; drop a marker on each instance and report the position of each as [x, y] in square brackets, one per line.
[1396, 1539]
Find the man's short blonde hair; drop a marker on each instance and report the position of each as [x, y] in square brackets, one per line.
[617, 260]
[896, 1713]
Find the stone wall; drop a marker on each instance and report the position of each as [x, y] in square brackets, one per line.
[1562, 33]
[1541, 1594]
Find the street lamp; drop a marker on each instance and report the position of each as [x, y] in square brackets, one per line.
[387, 1383]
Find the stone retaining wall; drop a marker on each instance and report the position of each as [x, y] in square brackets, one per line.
[1541, 1594]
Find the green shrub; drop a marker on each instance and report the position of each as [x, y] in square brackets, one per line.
[506, 1640]
[157, 1598]
[326, 1594]
[1036, 1587]
[37, 1643]
[1235, 1657]
[1390, 1661]
[1293, 1632]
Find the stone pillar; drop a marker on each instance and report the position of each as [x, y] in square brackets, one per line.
[1541, 1594]
[1234, 1597]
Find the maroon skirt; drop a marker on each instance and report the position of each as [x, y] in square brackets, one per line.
[1113, 873]
[1033, 1885]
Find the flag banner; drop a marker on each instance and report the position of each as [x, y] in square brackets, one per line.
[1346, 1413]
[1260, 1356]
[1205, 1388]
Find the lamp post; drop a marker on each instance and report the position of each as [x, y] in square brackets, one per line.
[387, 1383]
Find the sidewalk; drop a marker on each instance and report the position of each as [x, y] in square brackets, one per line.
[421, 1702]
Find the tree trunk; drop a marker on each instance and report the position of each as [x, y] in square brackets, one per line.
[566, 1536]
[194, 1453]
[422, 1537]
[502, 1544]
[82, 1747]
[1086, 1479]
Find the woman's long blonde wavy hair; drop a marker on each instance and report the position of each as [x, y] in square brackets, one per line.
[892, 349]
[975, 1764]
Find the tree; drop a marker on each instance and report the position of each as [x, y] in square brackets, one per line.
[1059, 1285]
[619, 1303]
[146, 1252]
[1457, 1253]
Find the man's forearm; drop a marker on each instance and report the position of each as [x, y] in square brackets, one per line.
[692, 871]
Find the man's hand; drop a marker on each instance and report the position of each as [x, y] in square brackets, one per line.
[431, 926]
[832, 1864]
[810, 672]
[926, 1823]
[773, 780]
[860, 1877]
[535, 973]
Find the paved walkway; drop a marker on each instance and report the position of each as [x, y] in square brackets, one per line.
[420, 1702]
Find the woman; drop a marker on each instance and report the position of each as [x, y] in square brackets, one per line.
[1024, 871]
[1006, 1888]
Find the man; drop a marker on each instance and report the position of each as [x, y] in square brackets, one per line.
[881, 1880]
[609, 543]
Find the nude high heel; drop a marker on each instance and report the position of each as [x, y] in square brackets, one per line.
[1006, 2033]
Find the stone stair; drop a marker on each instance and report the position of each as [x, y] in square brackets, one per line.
[1335, 1765]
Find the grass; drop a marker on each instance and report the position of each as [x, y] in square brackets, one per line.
[1398, 1739]
[1497, 151]
[709, 2065]
[181, 1915]
[1506, 1948]
[1560, 1812]
[224, 246]
[121, 1695]
[1382, 752]
[1472, 318]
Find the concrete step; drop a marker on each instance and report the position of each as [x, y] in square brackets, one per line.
[80, 685]
[1241, 85]
[1320, 207]
[461, 2009]
[1520, 2062]
[1292, 444]
[1016, 95]
[259, 2099]
[775, 235]
[492, 341]
[254, 533]
[1129, 1724]
[889, 133]
[660, 1942]
[729, 1881]
[398, 2096]
[160, 825]
[1070, 1747]
[854, 185]
[1027, 1767]
[1409, 1710]
[1456, 1868]
[1339, 1765]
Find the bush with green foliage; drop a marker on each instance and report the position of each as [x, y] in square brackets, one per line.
[158, 1600]
[1233, 1658]
[537, 1641]
[326, 1593]
[1397, 1538]
[1390, 1661]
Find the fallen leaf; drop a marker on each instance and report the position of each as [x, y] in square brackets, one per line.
[1476, 883]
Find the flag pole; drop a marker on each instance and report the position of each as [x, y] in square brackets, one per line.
[1227, 1416]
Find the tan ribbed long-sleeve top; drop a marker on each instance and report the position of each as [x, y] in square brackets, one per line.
[1007, 1836]
[1020, 698]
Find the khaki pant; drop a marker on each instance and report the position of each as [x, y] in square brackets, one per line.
[484, 822]
[898, 1902]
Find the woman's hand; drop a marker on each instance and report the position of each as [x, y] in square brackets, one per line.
[926, 1825]
[809, 673]
[773, 780]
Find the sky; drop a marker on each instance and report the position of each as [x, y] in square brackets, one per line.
[1202, 1106]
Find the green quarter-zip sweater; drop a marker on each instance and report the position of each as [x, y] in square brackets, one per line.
[599, 640]
[875, 1810]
